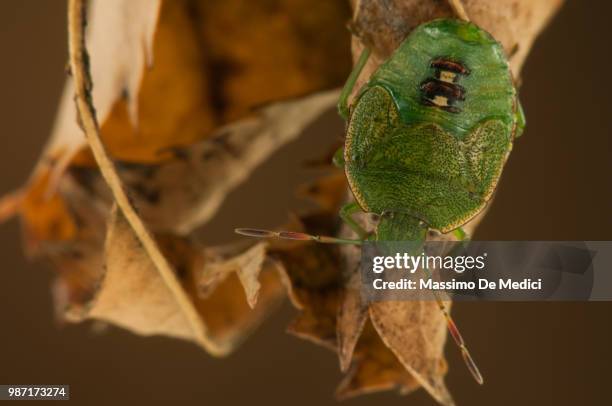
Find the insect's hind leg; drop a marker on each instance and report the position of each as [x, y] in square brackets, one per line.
[338, 159]
[460, 234]
[343, 108]
[346, 214]
[519, 117]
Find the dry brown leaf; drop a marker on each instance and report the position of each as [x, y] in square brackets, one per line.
[198, 82]
[226, 313]
[352, 316]
[131, 293]
[375, 369]
[318, 301]
[314, 271]
[165, 133]
[224, 310]
[44, 218]
[168, 302]
[79, 65]
[79, 261]
[223, 261]
[261, 52]
[230, 155]
[214, 62]
[84, 199]
[118, 58]
[415, 332]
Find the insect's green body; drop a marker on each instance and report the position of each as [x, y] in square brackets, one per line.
[428, 135]
[432, 158]
[427, 138]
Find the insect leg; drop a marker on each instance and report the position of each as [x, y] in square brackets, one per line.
[293, 235]
[460, 234]
[519, 117]
[454, 331]
[346, 214]
[338, 159]
[343, 107]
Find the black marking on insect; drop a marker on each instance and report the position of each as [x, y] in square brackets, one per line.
[442, 90]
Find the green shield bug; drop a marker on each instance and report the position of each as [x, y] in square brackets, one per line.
[426, 138]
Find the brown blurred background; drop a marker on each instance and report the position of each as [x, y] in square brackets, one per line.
[557, 185]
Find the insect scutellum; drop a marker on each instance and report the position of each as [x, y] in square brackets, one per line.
[426, 140]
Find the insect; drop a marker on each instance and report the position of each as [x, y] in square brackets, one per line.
[426, 139]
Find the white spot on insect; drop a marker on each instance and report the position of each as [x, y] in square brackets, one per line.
[448, 77]
[440, 101]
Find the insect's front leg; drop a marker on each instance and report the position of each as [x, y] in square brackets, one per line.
[346, 214]
[343, 108]
[338, 159]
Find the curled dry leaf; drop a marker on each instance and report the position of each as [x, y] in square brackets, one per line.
[352, 316]
[230, 155]
[223, 261]
[184, 125]
[82, 190]
[142, 238]
[415, 331]
[216, 62]
[375, 368]
[131, 293]
[118, 58]
[198, 82]
[315, 270]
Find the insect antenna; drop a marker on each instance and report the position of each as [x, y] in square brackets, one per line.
[293, 235]
[454, 331]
